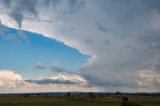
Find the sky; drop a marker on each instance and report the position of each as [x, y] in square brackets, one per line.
[34, 54]
[79, 45]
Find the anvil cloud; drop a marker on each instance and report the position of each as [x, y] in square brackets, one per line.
[122, 38]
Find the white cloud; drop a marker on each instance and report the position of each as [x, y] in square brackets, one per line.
[9, 79]
[75, 78]
[61, 79]
[149, 78]
[13, 82]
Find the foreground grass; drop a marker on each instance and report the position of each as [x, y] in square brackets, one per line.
[76, 101]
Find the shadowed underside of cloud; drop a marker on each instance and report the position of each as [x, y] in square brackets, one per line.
[9, 79]
[147, 80]
[60, 79]
[13, 82]
[50, 81]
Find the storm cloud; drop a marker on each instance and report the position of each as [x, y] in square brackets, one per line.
[121, 38]
[19, 8]
[50, 81]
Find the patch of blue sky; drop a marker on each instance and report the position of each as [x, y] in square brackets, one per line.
[20, 50]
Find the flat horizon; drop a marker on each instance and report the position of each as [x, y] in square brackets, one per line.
[79, 45]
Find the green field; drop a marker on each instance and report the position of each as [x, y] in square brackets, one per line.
[61, 100]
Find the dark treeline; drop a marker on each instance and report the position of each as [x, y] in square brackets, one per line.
[89, 94]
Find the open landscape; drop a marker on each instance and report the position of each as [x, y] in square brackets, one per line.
[79, 52]
[79, 99]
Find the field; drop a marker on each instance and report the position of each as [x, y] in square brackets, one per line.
[78, 100]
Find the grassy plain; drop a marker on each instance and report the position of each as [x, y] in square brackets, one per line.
[62, 100]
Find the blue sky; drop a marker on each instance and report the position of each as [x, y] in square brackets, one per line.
[22, 52]
[90, 45]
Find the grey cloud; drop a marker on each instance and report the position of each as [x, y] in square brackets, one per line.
[151, 39]
[103, 28]
[107, 42]
[6, 2]
[51, 2]
[57, 68]
[131, 49]
[18, 11]
[71, 6]
[156, 65]
[88, 41]
[75, 5]
[39, 66]
[132, 44]
[30, 7]
[73, 29]
[154, 4]
[21, 8]
[95, 81]
[17, 16]
[50, 81]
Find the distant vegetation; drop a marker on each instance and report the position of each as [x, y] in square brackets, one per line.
[80, 99]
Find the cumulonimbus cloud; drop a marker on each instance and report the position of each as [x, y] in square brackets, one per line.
[120, 36]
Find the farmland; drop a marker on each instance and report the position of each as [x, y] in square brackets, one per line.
[78, 100]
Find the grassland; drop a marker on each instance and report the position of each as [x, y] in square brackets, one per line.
[77, 100]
